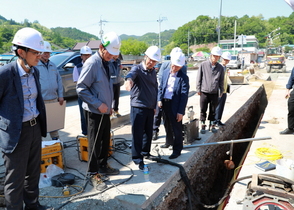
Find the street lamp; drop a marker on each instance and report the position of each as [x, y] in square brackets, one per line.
[159, 21]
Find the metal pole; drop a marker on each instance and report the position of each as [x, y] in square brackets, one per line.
[219, 23]
[159, 43]
[188, 43]
[235, 37]
[227, 142]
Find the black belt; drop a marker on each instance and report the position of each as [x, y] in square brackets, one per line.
[31, 122]
[166, 99]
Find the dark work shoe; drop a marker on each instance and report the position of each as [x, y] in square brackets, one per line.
[149, 157]
[39, 207]
[97, 182]
[165, 146]
[107, 170]
[174, 156]
[155, 136]
[219, 123]
[287, 131]
[141, 166]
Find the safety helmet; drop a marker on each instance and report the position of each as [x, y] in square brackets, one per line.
[216, 51]
[176, 49]
[85, 50]
[178, 59]
[47, 47]
[111, 41]
[226, 55]
[153, 52]
[29, 38]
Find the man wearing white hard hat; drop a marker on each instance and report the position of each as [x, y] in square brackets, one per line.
[226, 57]
[172, 98]
[51, 83]
[86, 53]
[22, 121]
[94, 87]
[158, 113]
[142, 82]
[210, 80]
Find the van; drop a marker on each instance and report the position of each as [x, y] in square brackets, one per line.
[235, 62]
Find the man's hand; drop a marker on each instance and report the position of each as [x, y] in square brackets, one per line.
[179, 117]
[60, 100]
[103, 108]
[199, 93]
[159, 103]
[129, 84]
[287, 93]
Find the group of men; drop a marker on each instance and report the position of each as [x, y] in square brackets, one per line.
[23, 116]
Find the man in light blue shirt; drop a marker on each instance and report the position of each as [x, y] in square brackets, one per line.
[51, 83]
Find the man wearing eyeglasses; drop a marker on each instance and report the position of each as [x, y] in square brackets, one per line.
[94, 87]
[51, 83]
[22, 122]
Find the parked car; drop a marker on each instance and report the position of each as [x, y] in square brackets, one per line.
[290, 58]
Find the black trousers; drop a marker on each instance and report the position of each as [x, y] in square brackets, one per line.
[142, 121]
[291, 111]
[173, 129]
[205, 100]
[220, 107]
[157, 119]
[116, 94]
[98, 139]
[23, 170]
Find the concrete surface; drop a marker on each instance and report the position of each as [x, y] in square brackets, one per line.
[129, 190]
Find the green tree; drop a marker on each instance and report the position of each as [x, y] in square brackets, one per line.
[133, 47]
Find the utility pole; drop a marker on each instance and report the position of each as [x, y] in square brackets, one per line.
[101, 24]
[159, 21]
[219, 23]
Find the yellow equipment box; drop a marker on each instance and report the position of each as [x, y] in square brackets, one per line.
[82, 143]
[52, 155]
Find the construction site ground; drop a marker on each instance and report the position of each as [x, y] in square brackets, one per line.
[129, 190]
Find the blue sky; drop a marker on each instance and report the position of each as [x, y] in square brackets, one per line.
[134, 17]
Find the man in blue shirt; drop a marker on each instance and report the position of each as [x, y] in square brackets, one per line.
[51, 83]
[22, 122]
[290, 96]
[172, 98]
[141, 81]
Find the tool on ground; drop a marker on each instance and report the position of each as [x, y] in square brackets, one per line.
[267, 191]
[82, 144]
[229, 163]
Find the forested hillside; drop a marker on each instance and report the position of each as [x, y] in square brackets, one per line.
[202, 30]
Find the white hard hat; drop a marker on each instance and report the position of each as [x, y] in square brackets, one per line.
[216, 51]
[85, 50]
[47, 47]
[111, 41]
[174, 50]
[226, 55]
[29, 38]
[153, 52]
[178, 59]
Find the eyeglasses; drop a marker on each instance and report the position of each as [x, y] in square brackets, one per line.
[35, 52]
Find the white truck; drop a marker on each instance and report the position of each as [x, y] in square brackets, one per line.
[235, 62]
